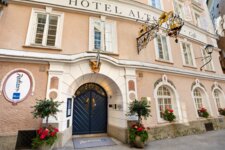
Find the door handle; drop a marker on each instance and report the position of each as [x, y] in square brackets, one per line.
[93, 103]
[87, 103]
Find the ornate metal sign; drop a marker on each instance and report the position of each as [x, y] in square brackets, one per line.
[173, 24]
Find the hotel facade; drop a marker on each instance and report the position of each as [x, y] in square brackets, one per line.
[46, 50]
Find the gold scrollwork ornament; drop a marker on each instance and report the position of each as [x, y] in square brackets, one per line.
[95, 66]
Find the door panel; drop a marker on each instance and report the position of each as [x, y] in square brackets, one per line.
[81, 121]
[98, 113]
[90, 112]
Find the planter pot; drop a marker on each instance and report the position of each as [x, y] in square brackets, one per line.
[138, 143]
[46, 147]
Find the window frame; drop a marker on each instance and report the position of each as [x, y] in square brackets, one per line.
[31, 34]
[221, 96]
[180, 3]
[114, 35]
[175, 101]
[205, 98]
[163, 97]
[198, 97]
[161, 4]
[192, 53]
[198, 24]
[168, 48]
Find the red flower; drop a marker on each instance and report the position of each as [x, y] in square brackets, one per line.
[139, 129]
[45, 132]
[202, 110]
[56, 130]
[42, 136]
[40, 131]
[171, 110]
[53, 133]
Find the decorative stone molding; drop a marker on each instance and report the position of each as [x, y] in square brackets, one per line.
[164, 80]
[22, 55]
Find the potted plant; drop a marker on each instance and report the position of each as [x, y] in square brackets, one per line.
[47, 135]
[138, 134]
[222, 111]
[168, 115]
[202, 112]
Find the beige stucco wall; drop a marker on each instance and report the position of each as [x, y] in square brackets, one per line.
[75, 37]
[19, 117]
[183, 86]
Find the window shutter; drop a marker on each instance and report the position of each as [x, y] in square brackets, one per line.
[33, 30]
[59, 30]
[91, 34]
[185, 53]
[187, 11]
[114, 37]
[159, 43]
[190, 61]
[165, 48]
[108, 37]
[158, 4]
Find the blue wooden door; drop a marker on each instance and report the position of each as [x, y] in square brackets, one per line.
[90, 110]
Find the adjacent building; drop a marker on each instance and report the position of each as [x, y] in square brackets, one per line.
[47, 49]
[217, 13]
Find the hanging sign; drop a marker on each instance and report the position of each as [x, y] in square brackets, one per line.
[17, 86]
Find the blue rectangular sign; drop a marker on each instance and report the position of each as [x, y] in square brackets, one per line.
[16, 96]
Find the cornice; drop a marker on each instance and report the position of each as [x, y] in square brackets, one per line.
[62, 58]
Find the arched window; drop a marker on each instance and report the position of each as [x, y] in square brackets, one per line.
[217, 96]
[198, 98]
[164, 97]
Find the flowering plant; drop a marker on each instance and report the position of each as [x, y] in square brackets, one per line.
[44, 109]
[138, 130]
[45, 136]
[168, 115]
[202, 112]
[137, 133]
[222, 111]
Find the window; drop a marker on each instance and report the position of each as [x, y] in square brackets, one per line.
[209, 66]
[217, 98]
[103, 35]
[164, 99]
[45, 29]
[155, 3]
[187, 54]
[198, 99]
[178, 8]
[162, 51]
[197, 19]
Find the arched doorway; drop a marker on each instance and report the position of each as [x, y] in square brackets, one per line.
[90, 110]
